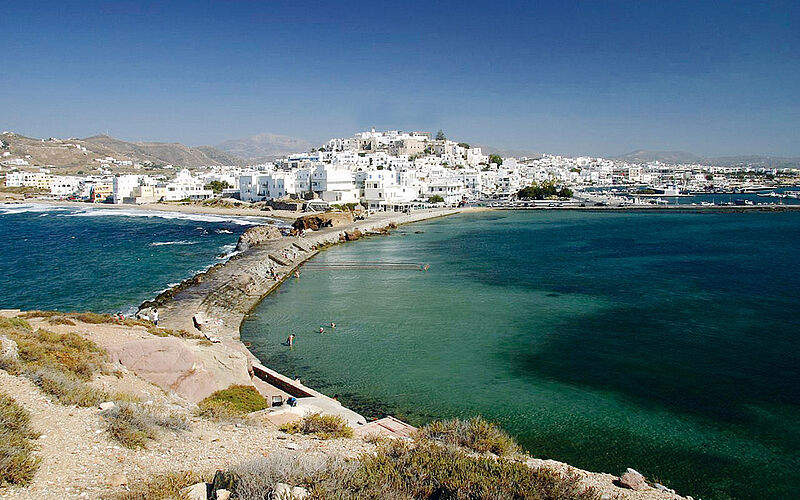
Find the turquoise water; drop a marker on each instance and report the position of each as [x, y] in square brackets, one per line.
[103, 259]
[661, 341]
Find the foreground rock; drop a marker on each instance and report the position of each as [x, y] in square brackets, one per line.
[633, 480]
[283, 491]
[171, 364]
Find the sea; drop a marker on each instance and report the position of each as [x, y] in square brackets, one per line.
[666, 342]
[104, 260]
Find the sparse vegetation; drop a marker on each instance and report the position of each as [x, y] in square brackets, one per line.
[421, 469]
[133, 426]
[234, 402]
[161, 487]
[322, 426]
[59, 364]
[475, 434]
[66, 388]
[17, 463]
[435, 199]
[67, 352]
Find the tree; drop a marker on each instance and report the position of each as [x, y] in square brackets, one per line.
[440, 135]
[543, 191]
[464, 145]
[496, 159]
[217, 186]
[436, 199]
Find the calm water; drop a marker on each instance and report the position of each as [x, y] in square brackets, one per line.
[665, 342]
[103, 260]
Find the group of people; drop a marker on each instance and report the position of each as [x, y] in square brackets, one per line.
[290, 255]
[290, 339]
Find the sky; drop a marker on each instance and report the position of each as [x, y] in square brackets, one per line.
[569, 77]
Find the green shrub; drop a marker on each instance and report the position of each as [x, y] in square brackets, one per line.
[234, 402]
[17, 463]
[323, 426]
[475, 434]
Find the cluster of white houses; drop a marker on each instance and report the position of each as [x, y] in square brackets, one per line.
[383, 170]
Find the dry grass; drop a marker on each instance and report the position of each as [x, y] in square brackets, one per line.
[475, 434]
[59, 364]
[66, 388]
[402, 470]
[232, 403]
[166, 332]
[17, 463]
[161, 487]
[322, 426]
[133, 426]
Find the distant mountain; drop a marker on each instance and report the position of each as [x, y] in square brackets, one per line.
[161, 152]
[516, 153]
[759, 161]
[265, 146]
[642, 156]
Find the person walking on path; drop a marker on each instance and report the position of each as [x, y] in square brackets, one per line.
[155, 317]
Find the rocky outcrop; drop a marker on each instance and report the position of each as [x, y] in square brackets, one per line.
[257, 235]
[8, 349]
[172, 365]
[353, 235]
[633, 480]
[317, 221]
[283, 491]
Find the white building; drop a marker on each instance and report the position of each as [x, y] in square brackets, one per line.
[123, 187]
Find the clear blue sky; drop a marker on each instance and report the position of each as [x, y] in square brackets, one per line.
[592, 77]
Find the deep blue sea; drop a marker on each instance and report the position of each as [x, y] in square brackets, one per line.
[103, 259]
[666, 342]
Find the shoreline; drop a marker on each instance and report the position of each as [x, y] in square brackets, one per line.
[216, 302]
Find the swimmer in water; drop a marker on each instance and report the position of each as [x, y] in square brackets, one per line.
[333, 325]
[321, 330]
[290, 340]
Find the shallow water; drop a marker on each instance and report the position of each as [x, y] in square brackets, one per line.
[665, 342]
[102, 259]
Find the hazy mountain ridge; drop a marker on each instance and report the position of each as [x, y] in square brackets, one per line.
[643, 156]
[265, 146]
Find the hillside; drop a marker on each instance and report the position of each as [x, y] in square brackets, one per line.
[78, 155]
[264, 146]
[643, 155]
[160, 152]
